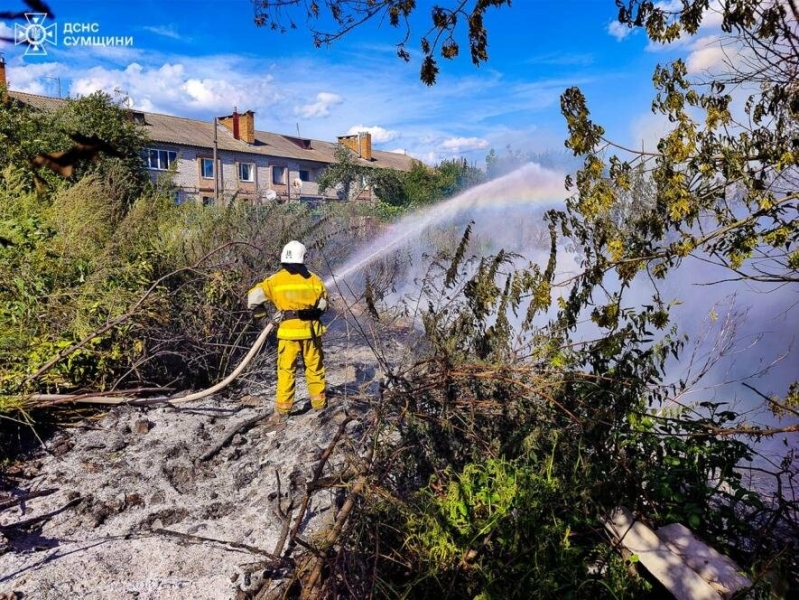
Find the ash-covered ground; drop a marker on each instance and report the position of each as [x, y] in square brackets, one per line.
[198, 500]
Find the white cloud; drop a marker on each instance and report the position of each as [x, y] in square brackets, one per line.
[36, 78]
[618, 30]
[165, 31]
[707, 54]
[705, 59]
[192, 88]
[379, 134]
[561, 59]
[320, 108]
[463, 144]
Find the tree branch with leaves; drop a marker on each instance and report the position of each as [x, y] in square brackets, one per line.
[439, 40]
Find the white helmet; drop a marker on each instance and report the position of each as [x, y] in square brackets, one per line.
[293, 253]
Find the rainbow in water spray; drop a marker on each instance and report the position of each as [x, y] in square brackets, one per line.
[530, 184]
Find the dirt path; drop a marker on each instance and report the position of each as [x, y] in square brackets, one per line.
[188, 501]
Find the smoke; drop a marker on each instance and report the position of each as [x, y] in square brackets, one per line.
[739, 332]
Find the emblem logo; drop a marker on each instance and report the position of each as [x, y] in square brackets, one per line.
[35, 34]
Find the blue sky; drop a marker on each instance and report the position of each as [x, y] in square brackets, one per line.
[200, 59]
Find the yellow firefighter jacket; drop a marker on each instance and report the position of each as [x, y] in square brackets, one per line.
[291, 292]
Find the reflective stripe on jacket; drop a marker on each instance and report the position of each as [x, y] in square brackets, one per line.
[289, 291]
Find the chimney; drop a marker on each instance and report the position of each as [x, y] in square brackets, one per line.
[360, 144]
[241, 125]
[248, 127]
[236, 124]
[351, 142]
[365, 143]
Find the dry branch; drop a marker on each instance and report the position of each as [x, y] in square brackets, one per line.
[316, 475]
[41, 518]
[276, 561]
[242, 427]
[24, 498]
[332, 536]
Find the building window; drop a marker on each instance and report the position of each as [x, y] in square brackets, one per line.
[207, 168]
[246, 172]
[305, 175]
[279, 175]
[159, 160]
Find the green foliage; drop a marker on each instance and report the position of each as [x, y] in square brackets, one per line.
[98, 115]
[704, 158]
[510, 408]
[97, 292]
[484, 528]
[427, 185]
[26, 133]
[398, 190]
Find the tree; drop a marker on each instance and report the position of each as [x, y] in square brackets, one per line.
[722, 184]
[499, 165]
[427, 185]
[350, 178]
[439, 39]
[98, 116]
[28, 133]
[420, 186]
[346, 175]
[457, 175]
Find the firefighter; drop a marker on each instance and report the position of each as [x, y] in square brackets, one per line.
[302, 298]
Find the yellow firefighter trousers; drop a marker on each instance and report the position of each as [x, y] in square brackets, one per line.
[287, 353]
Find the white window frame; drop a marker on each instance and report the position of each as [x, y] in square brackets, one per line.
[243, 166]
[203, 163]
[158, 159]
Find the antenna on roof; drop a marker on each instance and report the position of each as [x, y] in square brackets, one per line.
[58, 81]
[123, 95]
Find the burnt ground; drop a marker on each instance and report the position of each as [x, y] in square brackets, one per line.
[203, 500]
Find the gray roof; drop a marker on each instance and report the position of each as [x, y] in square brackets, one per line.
[200, 134]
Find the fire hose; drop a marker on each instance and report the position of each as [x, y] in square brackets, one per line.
[173, 399]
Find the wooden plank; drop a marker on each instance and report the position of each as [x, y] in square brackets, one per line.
[715, 568]
[667, 567]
